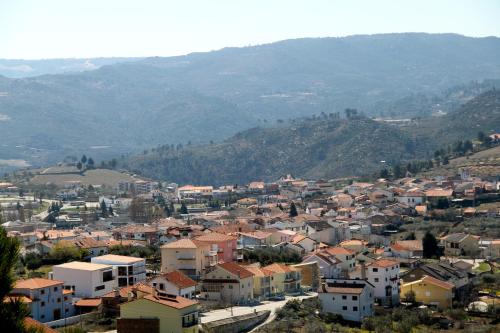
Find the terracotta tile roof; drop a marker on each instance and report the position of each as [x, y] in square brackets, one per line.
[338, 250]
[124, 291]
[215, 237]
[343, 288]
[38, 326]
[280, 268]
[438, 192]
[179, 279]
[67, 292]
[172, 301]
[383, 263]
[408, 245]
[181, 244]
[36, 283]
[89, 242]
[89, 302]
[236, 269]
[298, 238]
[258, 271]
[353, 242]
[434, 281]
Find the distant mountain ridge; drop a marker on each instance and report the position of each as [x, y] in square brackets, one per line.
[201, 97]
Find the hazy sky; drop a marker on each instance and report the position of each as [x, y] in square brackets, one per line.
[91, 28]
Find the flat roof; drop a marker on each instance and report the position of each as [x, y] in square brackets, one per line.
[118, 259]
[84, 266]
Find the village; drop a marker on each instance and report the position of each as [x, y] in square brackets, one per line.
[147, 256]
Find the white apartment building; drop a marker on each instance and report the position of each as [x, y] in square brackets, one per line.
[86, 280]
[351, 299]
[130, 270]
[45, 298]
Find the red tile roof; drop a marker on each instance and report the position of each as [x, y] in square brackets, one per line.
[89, 302]
[179, 279]
[172, 301]
[36, 283]
[383, 263]
[236, 269]
[38, 326]
[280, 268]
[215, 237]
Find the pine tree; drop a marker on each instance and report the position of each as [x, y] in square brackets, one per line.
[430, 246]
[84, 159]
[13, 312]
[104, 212]
[293, 210]
[183, 209]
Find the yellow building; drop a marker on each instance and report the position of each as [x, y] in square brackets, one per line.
[431, 291]
[284, 278]
[175, 314]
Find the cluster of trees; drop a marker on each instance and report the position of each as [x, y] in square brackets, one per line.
[132, 251]
[54, 210]
[267, 256]
[85, 163]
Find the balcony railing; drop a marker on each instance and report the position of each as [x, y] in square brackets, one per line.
[186, 257]
[211, 253]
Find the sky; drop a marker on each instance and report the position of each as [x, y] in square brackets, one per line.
[41, 29]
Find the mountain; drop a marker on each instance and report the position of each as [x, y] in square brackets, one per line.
[130, 106]
[19, 68]
[318, 147]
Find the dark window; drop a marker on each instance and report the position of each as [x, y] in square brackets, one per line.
[344, 297]
[376, 279]
[58, 300]
[55, 288]
[42, 316]
[107, 276]
[65, 298]
[354, 308]
[162, 286]
[42, 304]
[354, 298]
[122, 270]
[42, 292]
[375, 269]
[99, 288]
[344, 308]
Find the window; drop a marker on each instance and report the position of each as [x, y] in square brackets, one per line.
[42, 316]
[55, 288]
[42, 292]
[344, 297]
[107, 276]
[230, 286]
[99, 288]
[375, 269]
[333, 298]
[58, 300]
[154, 284]
[42, 304]
[376, 279]
[162, 286]
[65, 298]
[354, 298]
[428, 293]
[344, 308]
[354, 308]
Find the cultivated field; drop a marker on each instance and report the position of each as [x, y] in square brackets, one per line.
[60, 177]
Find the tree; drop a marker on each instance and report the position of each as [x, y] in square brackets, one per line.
[384, 173]
[430, 246]
[64, 252]
[110, 211]
[84, 159]
[104, 210]
[90, 163]
[12, 311]
[410, 297]
[79, 166]
[293, 210]
[183, 209]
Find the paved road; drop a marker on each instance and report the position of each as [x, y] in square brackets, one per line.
[207, 317]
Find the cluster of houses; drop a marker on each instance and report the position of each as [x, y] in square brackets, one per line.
[343, 236]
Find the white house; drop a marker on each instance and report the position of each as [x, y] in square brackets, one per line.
[130, 270]
[175, 283]
[351, 299]
[45, 298]
[86, 280]
[383, 274]
[411, 198]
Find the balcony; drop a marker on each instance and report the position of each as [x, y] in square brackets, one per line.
[239, 247]
[211, 254]
[186, 257]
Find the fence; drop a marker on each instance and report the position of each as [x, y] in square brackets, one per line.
[71, 320]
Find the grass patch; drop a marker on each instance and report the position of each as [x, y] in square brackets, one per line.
[483, 267]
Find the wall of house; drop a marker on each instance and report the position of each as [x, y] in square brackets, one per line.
[429, 294]
[170, 318]
[349, 308]
[84, 281]
[45, 302]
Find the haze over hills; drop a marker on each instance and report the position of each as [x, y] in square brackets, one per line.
[127, 107]
[19, 68]
[324, 147]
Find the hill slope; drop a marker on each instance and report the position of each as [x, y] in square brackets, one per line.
[311, 148]
[210, 96]
[317, 148]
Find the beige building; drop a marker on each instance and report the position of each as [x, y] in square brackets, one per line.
[228, 283]
[284, 278]
[460, 244]
[188, 256]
